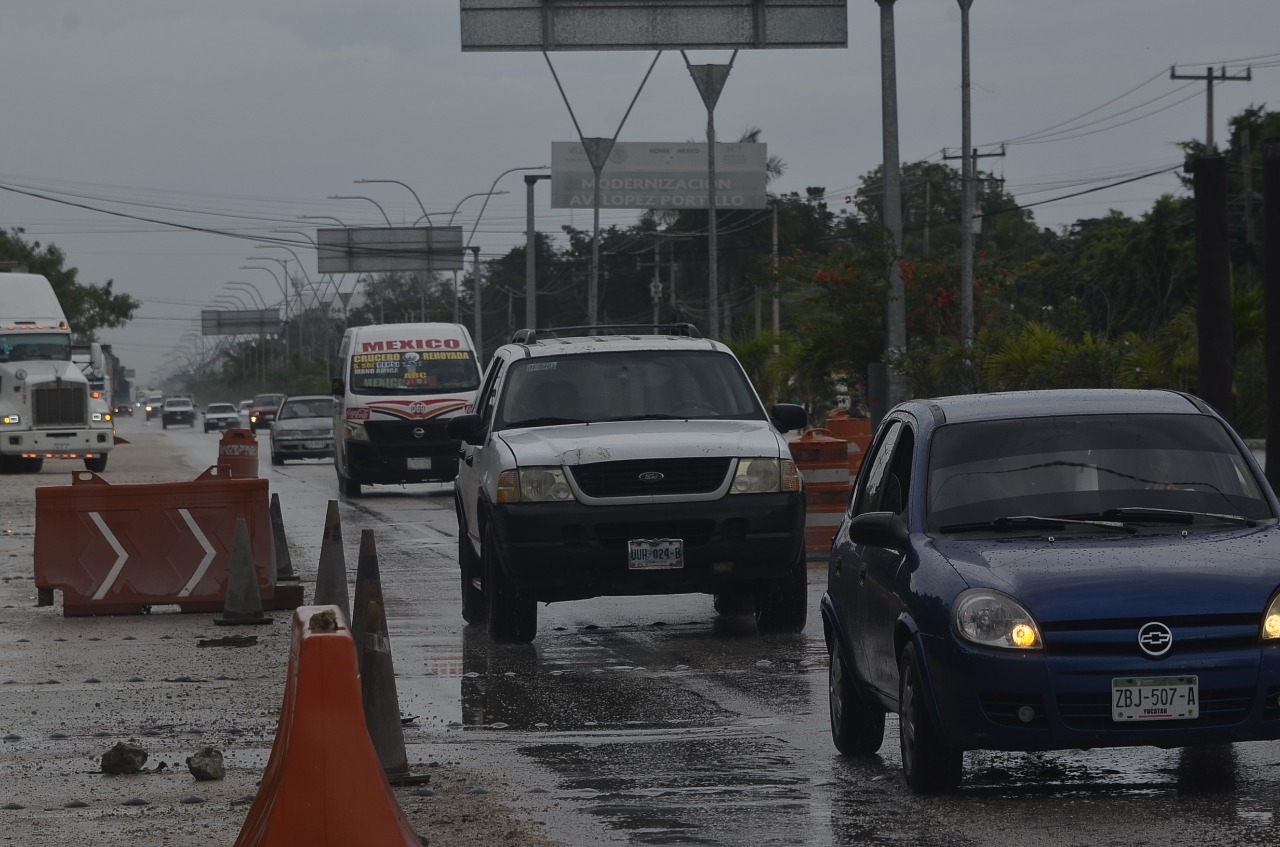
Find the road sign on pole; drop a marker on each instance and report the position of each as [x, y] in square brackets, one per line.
[388, 250]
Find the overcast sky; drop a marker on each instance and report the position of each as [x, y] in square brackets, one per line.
[242, 115]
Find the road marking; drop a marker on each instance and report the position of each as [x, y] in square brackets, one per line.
[208, 554]
[121, 556]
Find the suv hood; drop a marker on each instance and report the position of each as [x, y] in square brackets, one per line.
[1099, 577]
[619, 441]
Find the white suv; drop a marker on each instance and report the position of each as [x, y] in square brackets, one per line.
[624, 465]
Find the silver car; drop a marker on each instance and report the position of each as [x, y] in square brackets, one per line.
[303, 429]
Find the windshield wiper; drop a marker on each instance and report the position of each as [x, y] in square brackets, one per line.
[1033, 522]
[1144, 513]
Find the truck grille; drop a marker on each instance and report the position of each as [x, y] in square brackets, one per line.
[54, 405]
[675, 476]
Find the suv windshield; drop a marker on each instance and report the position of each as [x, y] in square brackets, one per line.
[414, 372]
[630, 385]
[1085, 466]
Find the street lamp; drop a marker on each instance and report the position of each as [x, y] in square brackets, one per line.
[283, 292]
[406, 185]
[244, 286]
[323, 218]
[530, 263]
[362, 197]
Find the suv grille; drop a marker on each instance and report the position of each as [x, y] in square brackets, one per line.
[54, 405]
[623, 479]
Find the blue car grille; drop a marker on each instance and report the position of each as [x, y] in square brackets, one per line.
[1191, 634]
[1218, 707]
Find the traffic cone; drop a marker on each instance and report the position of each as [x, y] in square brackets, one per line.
[284, 561]
[331, 573]
[243, 604]
[373, 650]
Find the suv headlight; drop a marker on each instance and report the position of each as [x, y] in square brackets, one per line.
[534, 485]
[762, 476]
[993, 619]
[1271, 620]
[354, 431]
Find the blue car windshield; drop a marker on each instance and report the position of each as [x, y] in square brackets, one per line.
[1086, 465]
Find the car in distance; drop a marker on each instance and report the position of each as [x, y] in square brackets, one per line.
[153, 405]
[220, 416]
[178, 410]
[303, 429]
[246, 406]
[1050, 570]
[626, 464]
[263, 411]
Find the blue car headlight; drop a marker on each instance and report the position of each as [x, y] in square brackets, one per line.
[1271, 620]
[994, 619]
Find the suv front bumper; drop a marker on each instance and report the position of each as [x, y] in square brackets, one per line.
[568, 551]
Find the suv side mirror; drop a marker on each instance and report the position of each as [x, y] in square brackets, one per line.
[466, 428]
[788, 416]
[336, 387]
[879, 529]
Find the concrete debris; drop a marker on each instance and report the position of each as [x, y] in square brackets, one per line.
[206, 764]
[123, 759]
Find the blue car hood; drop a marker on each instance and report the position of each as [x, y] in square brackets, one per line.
[1096, 577]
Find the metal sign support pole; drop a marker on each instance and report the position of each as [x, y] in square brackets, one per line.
[710, 81]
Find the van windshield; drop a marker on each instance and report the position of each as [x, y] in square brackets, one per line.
[414, 372]
[26, 346]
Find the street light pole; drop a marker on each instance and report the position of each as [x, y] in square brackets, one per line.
[398, 182]
[362, 197]
[530, 254]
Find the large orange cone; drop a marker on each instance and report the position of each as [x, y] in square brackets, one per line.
[243, 603]
[284, 561]
[377, 676]
[323, 785]
[331, 573]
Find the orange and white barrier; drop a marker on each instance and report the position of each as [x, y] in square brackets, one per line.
[117, 549]
[823, 464]
[324, 785]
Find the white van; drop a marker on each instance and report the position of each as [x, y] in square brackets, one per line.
[398, 385]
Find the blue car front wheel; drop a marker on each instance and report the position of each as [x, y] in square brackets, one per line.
[929, 766]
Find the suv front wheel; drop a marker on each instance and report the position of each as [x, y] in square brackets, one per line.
[782, 604]
[512, 615]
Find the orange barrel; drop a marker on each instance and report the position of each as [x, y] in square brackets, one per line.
[238, 450]
[823, 464]
[856, 431]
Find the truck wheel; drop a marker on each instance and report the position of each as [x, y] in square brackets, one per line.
[164, 424]
[34, 465]
[348, 486]
[277, 459]
[782, 604]
[97, 464]
[512, 615]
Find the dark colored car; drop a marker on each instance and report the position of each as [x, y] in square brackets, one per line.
[177, 411]
[263, 412]
[1053, 570]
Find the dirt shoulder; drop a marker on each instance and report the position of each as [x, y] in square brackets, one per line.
[71, 688]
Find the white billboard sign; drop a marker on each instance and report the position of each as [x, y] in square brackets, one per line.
[659, 175]
[389, 250]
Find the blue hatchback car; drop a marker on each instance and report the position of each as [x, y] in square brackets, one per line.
[1052, 570]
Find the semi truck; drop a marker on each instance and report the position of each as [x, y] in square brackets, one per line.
[47, 408]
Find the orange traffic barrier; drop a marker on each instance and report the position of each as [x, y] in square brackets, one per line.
[117, 549]
[855, 431]
[324, 785]
[238, 450]
[823, 463]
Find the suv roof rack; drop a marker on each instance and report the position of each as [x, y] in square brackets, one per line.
[531, 336]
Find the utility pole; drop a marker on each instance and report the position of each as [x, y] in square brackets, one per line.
[1271, 300]
[1250, 237]
[895, 389]
[968, 211]
[475, 273]
[1209, 77]
[1216, 359]
[777, 308]
[530, 254]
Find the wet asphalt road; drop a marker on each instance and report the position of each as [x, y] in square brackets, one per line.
[655, 721]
